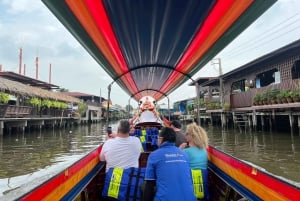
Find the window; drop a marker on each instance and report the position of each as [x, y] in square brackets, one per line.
[238, 86]
[296, 70]
[266, 78]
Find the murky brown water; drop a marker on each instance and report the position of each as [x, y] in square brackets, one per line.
[31, 156]
[278, 153]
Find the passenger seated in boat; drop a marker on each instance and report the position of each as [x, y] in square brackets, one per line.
[180, 137]
[197, 143]
[123, 151]
[168, 169]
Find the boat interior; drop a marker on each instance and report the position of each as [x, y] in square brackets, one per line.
[151, 48]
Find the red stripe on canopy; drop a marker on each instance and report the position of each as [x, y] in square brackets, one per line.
[216, 24]
[98, 12]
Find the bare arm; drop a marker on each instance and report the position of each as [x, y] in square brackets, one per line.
[111, 136]
[183, 145]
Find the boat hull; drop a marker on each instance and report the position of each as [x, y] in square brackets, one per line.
[69, 183]
[249, 180]
[229, 179]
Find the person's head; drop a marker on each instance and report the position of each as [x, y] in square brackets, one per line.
[166, 135]
[197, 135]
[124, 127]
[176, 124]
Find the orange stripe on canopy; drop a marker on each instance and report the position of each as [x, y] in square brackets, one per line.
[102, 35]
[213, 28]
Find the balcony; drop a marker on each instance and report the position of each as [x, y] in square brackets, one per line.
[13, 111]
[245, 99]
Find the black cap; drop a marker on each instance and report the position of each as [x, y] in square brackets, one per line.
[176, 124]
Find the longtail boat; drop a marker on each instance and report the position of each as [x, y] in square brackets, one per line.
[229, 179]
[150, 48]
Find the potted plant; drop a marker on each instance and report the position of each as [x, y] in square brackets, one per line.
[46, 103]
[257, 99]
[278, 98]
[295, 95]
[289, 97]
[226, 106]
[4, 98]
[282, 96]
[272, 95]
[264, 97]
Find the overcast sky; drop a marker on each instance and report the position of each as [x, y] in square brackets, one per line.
[30, 25]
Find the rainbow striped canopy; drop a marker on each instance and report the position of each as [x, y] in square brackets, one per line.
[151, 47]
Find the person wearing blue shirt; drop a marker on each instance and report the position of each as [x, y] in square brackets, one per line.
[169, 171]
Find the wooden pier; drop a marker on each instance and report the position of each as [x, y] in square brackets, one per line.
[37, 122]
[264, 117]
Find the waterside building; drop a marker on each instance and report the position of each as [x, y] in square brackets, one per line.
[258, 94]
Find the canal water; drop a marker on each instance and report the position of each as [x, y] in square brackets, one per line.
[36, 156]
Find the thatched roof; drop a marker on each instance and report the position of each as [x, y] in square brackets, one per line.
[17, 88]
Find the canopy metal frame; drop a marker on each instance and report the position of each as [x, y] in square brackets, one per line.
[166, 95]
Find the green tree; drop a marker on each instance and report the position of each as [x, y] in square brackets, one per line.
[4, 98]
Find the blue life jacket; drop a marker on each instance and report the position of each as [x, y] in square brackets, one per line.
[123, 184]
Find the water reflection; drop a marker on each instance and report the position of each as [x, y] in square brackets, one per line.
[23, 153]
[278, 153]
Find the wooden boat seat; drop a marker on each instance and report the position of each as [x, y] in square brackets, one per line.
[143, 159]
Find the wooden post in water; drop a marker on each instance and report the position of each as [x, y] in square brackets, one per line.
[254, 120]
[249, 122]
[291, 120]
[274, 119]
[1, 127]
[234, 120]
[299, 124]
[223, 119]
[270, 123]
[262, 122]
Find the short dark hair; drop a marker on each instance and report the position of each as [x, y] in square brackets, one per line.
[176, 124]
[124, 126]
[168, 134]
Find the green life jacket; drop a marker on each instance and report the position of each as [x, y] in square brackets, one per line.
[200, 183]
